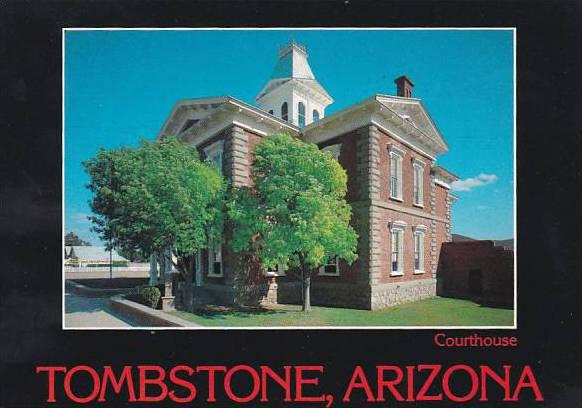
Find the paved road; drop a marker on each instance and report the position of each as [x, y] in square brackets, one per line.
[82, 312]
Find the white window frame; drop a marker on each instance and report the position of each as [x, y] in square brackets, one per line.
[214, 154]
[418, 182]
[419, 231]
[322, 271]
[396, 158]
[314, 114]
[279, 271]
[334, 150]
[215, 248]
[399, 228]
[301, 116]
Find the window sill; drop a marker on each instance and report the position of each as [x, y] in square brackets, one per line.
[418, 205]
[328, 274]
[418, 272]
[214, 276]
[399, 199]
[396, 273]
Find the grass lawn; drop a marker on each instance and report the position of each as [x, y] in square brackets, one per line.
[431, 312]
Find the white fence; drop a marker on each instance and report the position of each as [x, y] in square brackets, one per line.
[133, 267]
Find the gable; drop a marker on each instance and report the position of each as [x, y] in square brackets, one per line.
[413, 111]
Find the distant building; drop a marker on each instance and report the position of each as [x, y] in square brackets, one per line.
[388, 145]
[90, 256]
[477, 270]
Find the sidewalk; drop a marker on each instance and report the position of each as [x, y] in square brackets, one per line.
[83, 312]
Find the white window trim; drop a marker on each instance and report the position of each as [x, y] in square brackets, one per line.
[279, 272]
[418, 164]
[322, 271]
[396, 154]
[400, 227]
[334, 150]
[213, 150]
[420, 230]
[211, 274]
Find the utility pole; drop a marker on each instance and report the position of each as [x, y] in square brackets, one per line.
[110, 260]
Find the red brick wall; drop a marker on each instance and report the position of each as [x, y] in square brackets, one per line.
[458, 259]
[347, 159]
[407, 172]
[441, 201]
[388, 216]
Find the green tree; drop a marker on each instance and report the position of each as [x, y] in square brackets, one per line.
[154, 197]
[296, 213]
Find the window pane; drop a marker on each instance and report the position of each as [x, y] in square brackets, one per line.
[284, 111]
[301, 112]
[315, 116]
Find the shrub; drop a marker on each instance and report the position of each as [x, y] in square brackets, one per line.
[150, 295]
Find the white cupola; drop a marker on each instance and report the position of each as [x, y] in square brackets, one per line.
[292, 93]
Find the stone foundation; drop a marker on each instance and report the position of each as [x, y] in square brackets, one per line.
[392, 294]
[345, 295]
[327, 294]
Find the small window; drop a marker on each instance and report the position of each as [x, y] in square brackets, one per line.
[396, 245]
[418, 252]
[417, 172]
[334, 150]
[315, 116]
[331, 268]
[214, 154]
[301, 113]
[285, 111]
[395, 176]
[417, 185]
[215, 261]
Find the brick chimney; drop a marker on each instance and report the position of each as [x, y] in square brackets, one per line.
[404, 86]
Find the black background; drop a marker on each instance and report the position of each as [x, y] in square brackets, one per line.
[549, 141]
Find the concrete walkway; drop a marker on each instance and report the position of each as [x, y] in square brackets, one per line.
[82, 312]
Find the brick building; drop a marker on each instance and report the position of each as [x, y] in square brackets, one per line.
[477, 270]
[388, 146]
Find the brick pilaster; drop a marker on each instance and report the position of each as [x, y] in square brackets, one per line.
[433, 230]
[239, 157]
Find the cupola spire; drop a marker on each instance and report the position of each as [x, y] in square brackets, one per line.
[292, 93]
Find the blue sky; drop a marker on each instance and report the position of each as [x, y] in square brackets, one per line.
[121, 85]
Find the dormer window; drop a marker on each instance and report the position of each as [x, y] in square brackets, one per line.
[285, 112]
[301, 112]
[315, 116]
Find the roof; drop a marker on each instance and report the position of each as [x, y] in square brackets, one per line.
[409, 114]
[204, 110]
[441, 171]
[293, 66]
[94, 253]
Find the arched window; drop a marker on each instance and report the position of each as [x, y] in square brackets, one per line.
[301, 112]
[284, 111]
[315, 116]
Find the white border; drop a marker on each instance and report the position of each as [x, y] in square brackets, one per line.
[514, 29]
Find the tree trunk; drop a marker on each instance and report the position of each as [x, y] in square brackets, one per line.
[306, 285]
[188, 292]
